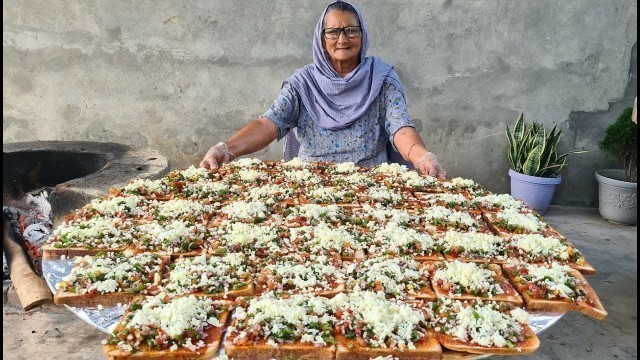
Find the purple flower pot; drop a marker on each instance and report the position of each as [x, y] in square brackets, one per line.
[536, 192]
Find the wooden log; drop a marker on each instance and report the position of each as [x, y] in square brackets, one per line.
[32, 289]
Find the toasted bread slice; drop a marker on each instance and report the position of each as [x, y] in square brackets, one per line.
[433, 257]
[93, 300]
[584, 268]
[524, 347]
[212, 344]
[559, 305]
[262, 351]
[108, 299]
[51, 252]
[492, 221]
[510, 295]
[426, 349]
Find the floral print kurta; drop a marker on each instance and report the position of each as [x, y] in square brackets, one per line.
[363, 142]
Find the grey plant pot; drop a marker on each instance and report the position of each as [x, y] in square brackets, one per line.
[618, 199]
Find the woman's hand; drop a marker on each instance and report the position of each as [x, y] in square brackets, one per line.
[428, 165]
[255, 136]
[216, 156]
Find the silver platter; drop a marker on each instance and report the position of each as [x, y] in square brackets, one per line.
[106, 319]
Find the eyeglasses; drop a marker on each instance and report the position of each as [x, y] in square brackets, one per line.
[350, 32]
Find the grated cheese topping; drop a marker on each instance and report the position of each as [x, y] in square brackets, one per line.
[395, 239]
[527, 221]
[245, 210]
[385, 319]
[211, 275]
[499, 201]
[538, 245]
[468, 277]
[440, 214]
[396, 276]
[393, 168]
[475, 244]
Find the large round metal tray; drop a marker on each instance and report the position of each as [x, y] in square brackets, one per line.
[105, 319]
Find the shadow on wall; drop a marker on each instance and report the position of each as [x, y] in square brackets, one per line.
[583, 191]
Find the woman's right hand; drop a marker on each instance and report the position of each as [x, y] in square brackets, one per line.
[216, 156]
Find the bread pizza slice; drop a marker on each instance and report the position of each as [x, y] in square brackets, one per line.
[126, 207]
[357, 180]
[110, 278]
[192, 174]
[243, 164]
[342, 169]
[163, 327]
[388, 170]
[412, 181]
[151, 189]
[376, 216]
[301, 274]
[439, 219]
[175, 238]
[464, 185]
[497, 202]
[344, 241]
[217, 277]
[268, 326]
[555, 288]
[294, 164]
[394, 276]
[534, 248]
[471, 281]
[260, 240]
[272, 194]
[512, 221]
[369, 325]
[247, 178]
[474, 247]
[396, 240]
[210, 192]
[484, 328]
[326, 195]
[387, 197]
[89, 237]
[251, 212]
[299, 179]
[175, 209]
[455, 201]
[311, 214]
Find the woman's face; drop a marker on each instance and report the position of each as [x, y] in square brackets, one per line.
[342, 49]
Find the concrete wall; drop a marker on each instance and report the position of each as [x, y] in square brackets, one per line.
[180, 76]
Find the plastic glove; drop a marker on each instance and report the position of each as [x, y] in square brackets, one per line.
[428, 165]
[216, 156]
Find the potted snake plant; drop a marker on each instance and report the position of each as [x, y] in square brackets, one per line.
[535, 163]
[617, 187]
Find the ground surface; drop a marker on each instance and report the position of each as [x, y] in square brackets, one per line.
[52, 332]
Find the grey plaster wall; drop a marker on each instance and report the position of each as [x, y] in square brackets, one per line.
[180, 76]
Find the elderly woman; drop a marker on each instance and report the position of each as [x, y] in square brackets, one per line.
[343, 107]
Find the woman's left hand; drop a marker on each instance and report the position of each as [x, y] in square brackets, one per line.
[428, 165]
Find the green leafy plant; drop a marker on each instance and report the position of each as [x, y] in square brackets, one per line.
[534, 151]
[620, 142]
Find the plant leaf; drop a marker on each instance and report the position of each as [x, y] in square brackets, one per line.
[512, 147]
[532, 164]
[518, 129]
